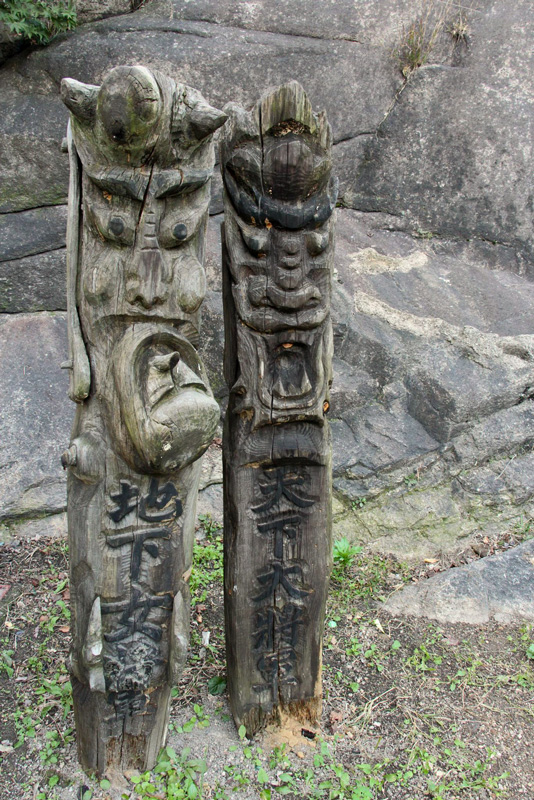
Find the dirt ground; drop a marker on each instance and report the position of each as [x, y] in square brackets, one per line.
[412, 709]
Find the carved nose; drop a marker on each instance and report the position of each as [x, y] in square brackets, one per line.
[148, 289]
[291, 246]
[291, 257]
[147, 285]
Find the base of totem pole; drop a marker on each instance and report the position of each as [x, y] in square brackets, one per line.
[298, 714]
[124, 735]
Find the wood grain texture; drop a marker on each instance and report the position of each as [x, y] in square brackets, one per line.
[141, 157]
[278, 246]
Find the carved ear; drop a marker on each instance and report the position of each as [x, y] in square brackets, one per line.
[205, 119]
[80, 98]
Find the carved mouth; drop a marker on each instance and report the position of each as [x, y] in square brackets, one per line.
[168, 411]
[307, 296]
[168, 373]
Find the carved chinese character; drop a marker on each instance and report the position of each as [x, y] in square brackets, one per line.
[129, 703]
[283, 482]
[126, 500]
[134, 614]
[154, 507]
[273, 625]
[278, 575]
[284, 525]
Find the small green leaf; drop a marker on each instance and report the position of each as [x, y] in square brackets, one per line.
[53, 780]
[242, 732]
[262, 776]
[105, 784]
[217, 685]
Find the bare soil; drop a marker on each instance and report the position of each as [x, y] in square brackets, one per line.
[412, 709]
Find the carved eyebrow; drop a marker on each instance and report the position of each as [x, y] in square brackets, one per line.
[133, 183]
[171, 182]
[123, 182]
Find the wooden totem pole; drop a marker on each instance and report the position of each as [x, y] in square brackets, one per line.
[141, 158]
[278, 247]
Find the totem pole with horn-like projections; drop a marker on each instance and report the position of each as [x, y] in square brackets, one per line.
[278, 247]
[141, 158]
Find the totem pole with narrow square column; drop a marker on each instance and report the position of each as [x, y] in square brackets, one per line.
[141, 158]
[278, 249]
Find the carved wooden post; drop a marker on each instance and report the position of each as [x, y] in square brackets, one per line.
[278, 246]
[141, 156]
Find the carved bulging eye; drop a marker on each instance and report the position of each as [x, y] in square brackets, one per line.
[116, 226]
[180, 231]
[317, 243]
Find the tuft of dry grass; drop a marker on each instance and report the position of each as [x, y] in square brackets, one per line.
[418, 39]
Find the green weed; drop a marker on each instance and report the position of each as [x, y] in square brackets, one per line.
[344, 554]
[177, 776]
[38, 20]
[207, 561]
[6, 660]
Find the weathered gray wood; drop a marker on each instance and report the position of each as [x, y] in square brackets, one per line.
[141, 156]
[278, 245]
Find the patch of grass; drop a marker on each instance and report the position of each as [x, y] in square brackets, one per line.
[458, 27]
[6, 659]
[411, 480]
[207, 560]
[54, 741]
[418, 39]
[179, 776]
[367, 575]
[360, 502]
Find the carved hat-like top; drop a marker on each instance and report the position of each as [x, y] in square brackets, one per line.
[137, 117]
[277, 161]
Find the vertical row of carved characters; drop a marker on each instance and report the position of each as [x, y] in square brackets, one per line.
[141, 156]
[278, 248]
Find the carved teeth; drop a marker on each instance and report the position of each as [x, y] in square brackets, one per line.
[291, 389]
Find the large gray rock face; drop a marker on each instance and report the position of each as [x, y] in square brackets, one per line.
[35, 415]
[498, 587]
[32, 260]
[455, 153]
[33, 170]
[431, 408]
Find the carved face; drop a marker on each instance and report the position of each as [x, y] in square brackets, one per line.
[133, 666]
[143, 237]
[281, 278]
[161, 413]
